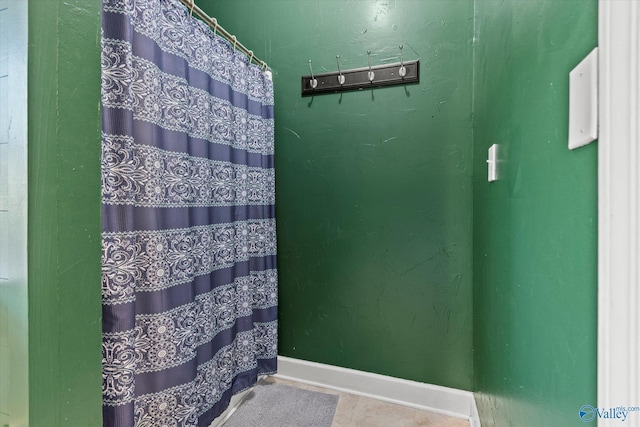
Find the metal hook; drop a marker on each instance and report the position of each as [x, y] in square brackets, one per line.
[370, 74]
[403, 70]
[313, 82]
[193, 4]
[340, 76]
[235, 42]
[215, 25]
[251, 57]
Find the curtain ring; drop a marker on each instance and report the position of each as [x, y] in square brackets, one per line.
[193, 4]
[235, 42]
[251, 57]
[215, 25]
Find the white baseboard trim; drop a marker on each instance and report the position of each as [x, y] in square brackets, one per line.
[474, 419]
[429, 397]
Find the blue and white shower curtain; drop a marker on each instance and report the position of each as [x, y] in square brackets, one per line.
[189, 280]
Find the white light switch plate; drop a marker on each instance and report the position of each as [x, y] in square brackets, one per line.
[583, 101]
[492, 163]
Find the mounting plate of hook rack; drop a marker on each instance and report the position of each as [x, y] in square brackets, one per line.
[358, 78]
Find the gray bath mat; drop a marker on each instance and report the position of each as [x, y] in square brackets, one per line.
[278, 405]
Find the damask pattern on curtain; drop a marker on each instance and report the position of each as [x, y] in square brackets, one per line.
[189, 279]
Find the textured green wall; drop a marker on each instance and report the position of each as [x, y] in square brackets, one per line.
[64, 213]
[373, 187]
[535, 248]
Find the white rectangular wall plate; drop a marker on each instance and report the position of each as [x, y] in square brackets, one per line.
[583, 101]
[492, 163]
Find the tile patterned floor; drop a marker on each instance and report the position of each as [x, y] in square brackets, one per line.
[358, 411]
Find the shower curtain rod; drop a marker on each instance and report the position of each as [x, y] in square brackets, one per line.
[213, 22]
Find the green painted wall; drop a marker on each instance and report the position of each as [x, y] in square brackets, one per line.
[374, 187]
[64, 213]
[535, 248]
